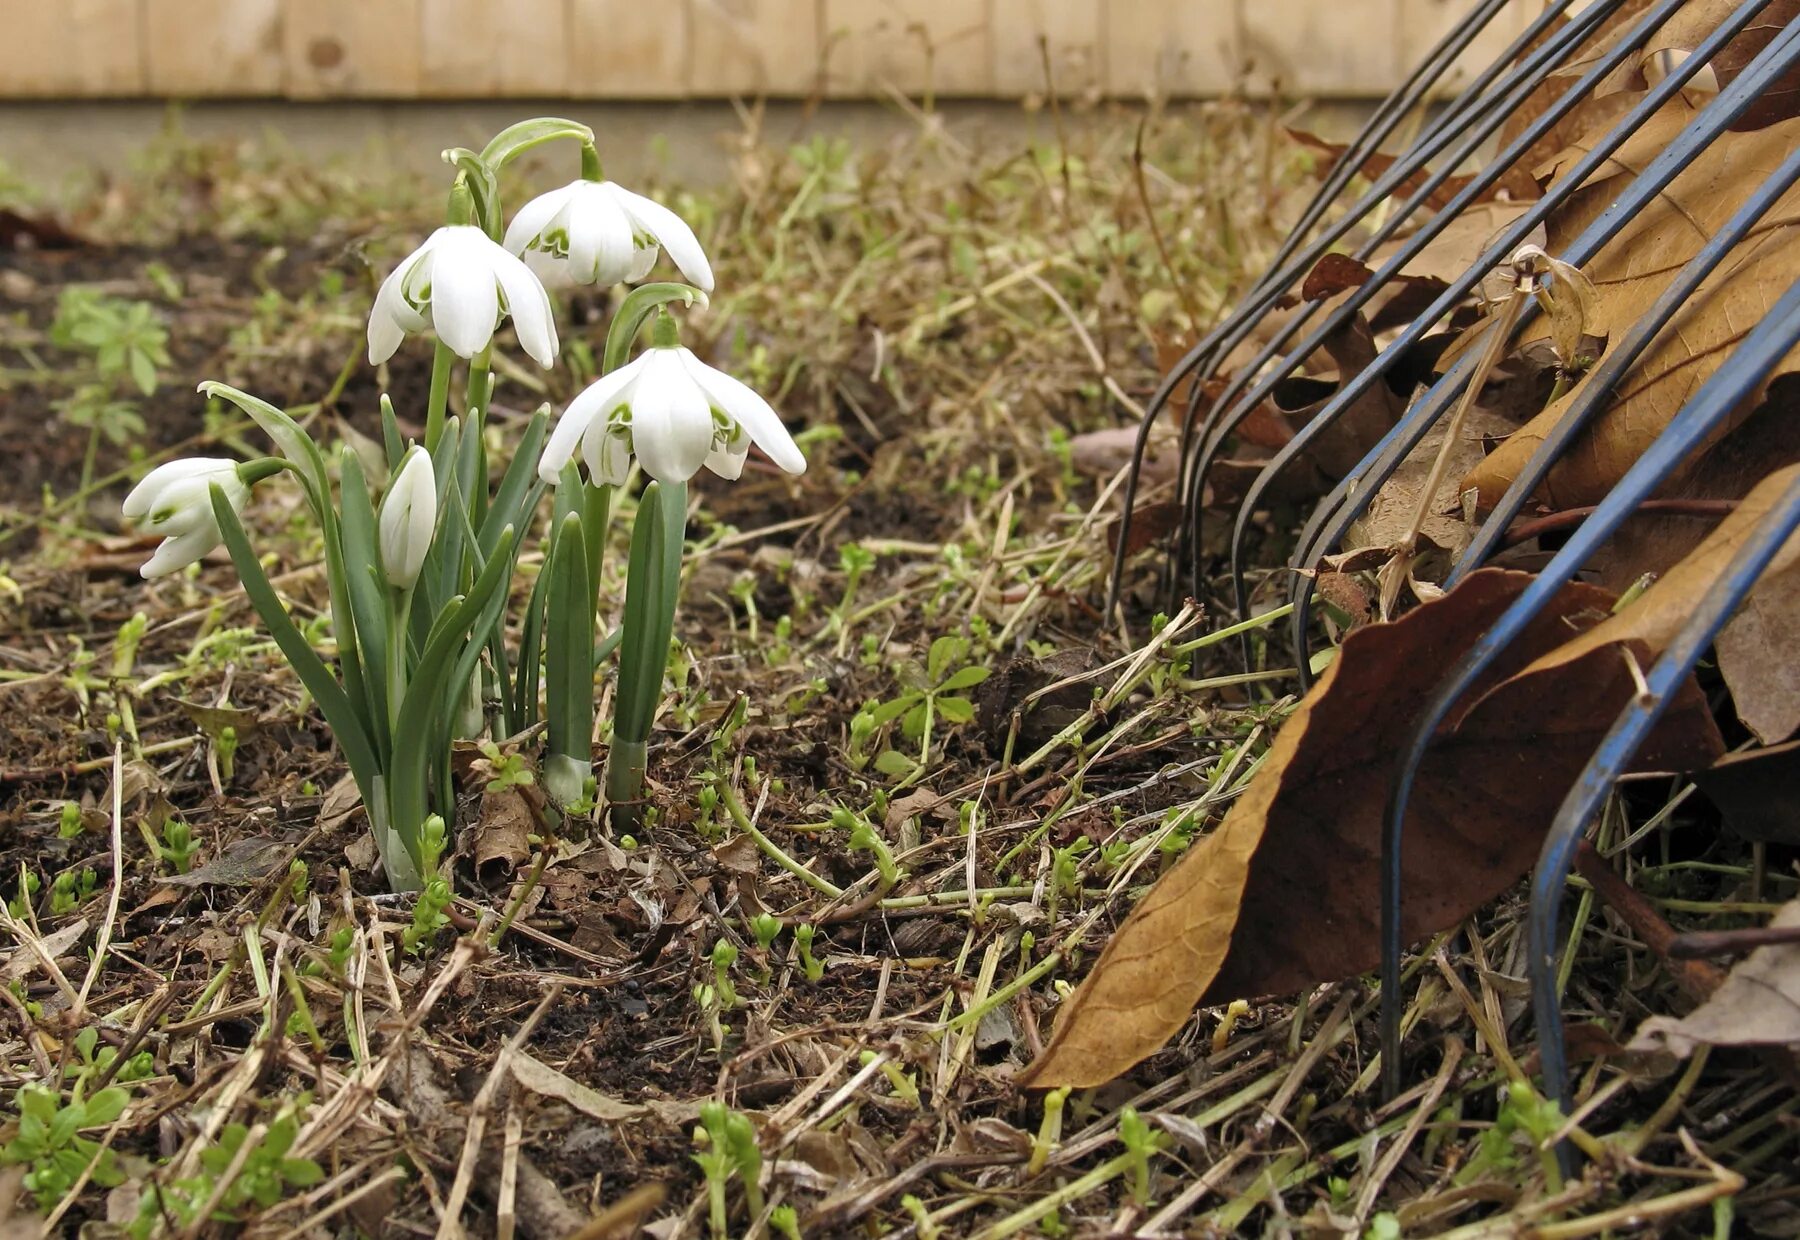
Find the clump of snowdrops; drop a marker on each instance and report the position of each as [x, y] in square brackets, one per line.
[419, 579]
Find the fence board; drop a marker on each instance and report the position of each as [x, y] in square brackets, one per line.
[629, 48]
[477, 48]
[81, 48]
[212, 47]
[751, 47]
[1189, 47]
[1322, 47]
[351, 47]
[938, 46]
[1069, 33]
[1424, 22]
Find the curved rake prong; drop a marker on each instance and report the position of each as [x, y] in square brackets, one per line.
[1723, 392]
[1234, 404]
[1443, 394]
[1332, 517]
[1634, 723]
[1279, 277]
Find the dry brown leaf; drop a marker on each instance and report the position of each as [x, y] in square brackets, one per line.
[1759, 1004]
[1513, 184]
[1759, 651]
[1754, 791]
[502, 834]
[1282, 895]
[1628, 276]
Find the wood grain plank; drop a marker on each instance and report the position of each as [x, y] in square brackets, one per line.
[1424, 22]
[629, 49]
[1304, 47]
[1162, 50]
[196, 48]
[477, 48]
[754, 47]
[941, 47]
[76, 48]
[1069, 33]
[351, 48]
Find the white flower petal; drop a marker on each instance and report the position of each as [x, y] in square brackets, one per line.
[391, 318]
[728, 462]
[529, 306]
[537, 215]
[465, 298]
[607, 450]
[600, 238]
[408, 519]
[595, 401]
[671, 419]
[747, 409]
[671, 231]
[144, 495]
[643, 260]
[177, 553]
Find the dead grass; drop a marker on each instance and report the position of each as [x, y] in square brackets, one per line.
[939, 323]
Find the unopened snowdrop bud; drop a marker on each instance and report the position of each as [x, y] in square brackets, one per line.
[175, 499]
[461, 283]
[596, 232]
[676, 414]
[408, 519]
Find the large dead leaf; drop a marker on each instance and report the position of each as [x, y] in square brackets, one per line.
[1514, 183]
[1629, 274]
[1283, 894]
[1759, 1004]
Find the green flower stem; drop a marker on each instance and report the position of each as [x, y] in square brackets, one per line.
[441, 362]
[639, 305]
[480, 389]
[590, 163]
[569, 662]
[400, 602]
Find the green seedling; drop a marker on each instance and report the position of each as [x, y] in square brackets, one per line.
[49, 1141]
[765, 928]
[924, 1227]
[724, 956]
[226, 748]
[177, 846]
[934, 693]
[68, 824]
[70, 891]
[905, 1085]
[24, 895]
[1140, 1142]
[94, 1061]
[803, 940]
[785, 1221]
[508, 770]
[1049, 1130]
[863, 727]
[264, 1175]
[863, 838]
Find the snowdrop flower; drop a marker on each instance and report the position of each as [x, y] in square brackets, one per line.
[596, 232]
[461, 283]
[676, 413]
[408, 519]
[175, 499]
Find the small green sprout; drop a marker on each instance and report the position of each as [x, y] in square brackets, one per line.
[68, 824]
[740, 1143]
[803, 940]
[177, 847]
[226, 747]
[924, 1226]
[509, 769]
[786, 1221]
[766, 928]
[905, 1085]
[863, 838]
[1140, 1142]
[48, 1142]
[25, 895]
[1049, 1130]
[862, 731]
[724, 955]
[70, 890]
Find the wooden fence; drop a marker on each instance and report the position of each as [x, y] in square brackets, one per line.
[644, 49]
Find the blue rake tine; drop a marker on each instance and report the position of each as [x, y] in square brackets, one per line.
[1276, 280]
[1234, 405]
[1723, 392]
[1333, 515]
[1584, 800]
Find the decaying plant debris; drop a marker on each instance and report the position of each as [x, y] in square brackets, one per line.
[855, 937]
